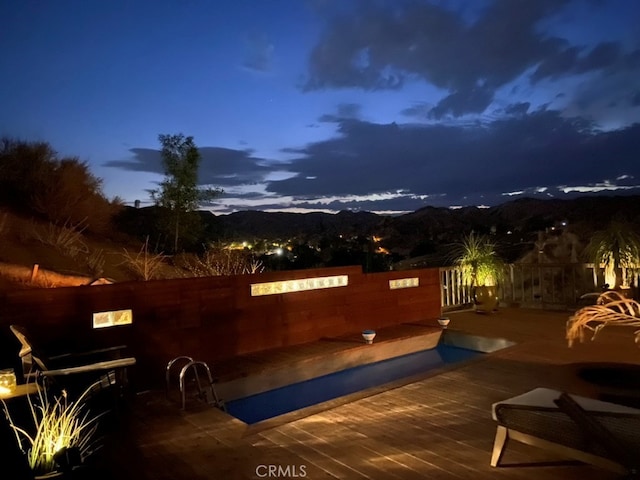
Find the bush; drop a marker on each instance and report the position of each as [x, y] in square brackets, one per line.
[64, 191]
[217, 260]
[145, 264]
[67, 239]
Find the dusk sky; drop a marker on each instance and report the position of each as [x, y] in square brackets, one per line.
[306, 105]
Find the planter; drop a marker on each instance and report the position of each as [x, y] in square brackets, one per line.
[368, 335]
[486, 298]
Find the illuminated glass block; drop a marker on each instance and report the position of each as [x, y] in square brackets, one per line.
[112, 318]
[404, 283]
[300, 285]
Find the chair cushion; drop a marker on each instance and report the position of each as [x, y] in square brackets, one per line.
[535, 413]
[543, 398]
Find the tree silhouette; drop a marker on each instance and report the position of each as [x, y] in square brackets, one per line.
[179, 193]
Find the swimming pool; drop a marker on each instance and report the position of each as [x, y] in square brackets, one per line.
[272, 403]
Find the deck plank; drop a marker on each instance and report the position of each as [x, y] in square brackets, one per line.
[438, 427]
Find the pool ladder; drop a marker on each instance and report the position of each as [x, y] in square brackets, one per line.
[206, 392]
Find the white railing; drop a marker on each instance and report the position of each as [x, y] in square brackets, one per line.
[453, 292]
[544, 285]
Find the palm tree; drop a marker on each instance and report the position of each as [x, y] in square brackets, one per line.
[617, 249]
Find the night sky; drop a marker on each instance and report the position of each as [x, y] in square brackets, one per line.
[300, 105]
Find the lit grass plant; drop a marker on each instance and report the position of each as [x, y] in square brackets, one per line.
[611, 309]
[617, 250]
[478, 260]
[65, 431]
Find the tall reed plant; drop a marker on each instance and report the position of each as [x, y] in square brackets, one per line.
[60, 427]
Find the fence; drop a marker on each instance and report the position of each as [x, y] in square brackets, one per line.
[544, 285]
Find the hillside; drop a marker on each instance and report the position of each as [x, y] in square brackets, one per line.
[257, 224]
[61, 256]
[522, 218]
[424, 234]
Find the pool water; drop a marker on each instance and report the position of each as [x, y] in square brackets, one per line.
[272, 403]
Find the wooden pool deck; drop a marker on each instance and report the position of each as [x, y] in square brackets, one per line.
[437, 427]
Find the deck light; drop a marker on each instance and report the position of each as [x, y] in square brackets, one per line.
[368, 336]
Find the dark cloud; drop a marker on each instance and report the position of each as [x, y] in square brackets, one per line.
[538, 149]
[474, 100]
[518, 108]
[345, 111]
[603, 55]
[556, 64]
[382, 44]
[218, 166]
[470, 55]
[418, 110]
[569, 61]
[391, 167]
[632, 60]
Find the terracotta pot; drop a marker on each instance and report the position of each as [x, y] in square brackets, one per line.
[486, 298]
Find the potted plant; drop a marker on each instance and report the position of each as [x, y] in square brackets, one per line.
[616, 249]
[62, 434]
[482, 269]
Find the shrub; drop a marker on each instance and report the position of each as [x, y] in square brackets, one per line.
[34, 180]
[95, 262]
[67, 238]
[145, 264]
[217, 260]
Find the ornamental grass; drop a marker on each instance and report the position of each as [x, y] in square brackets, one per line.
[611, 309]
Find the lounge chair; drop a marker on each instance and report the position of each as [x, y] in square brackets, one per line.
[578, 428]
[73, 372]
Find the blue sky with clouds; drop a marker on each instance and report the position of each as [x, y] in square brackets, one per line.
[302, 105]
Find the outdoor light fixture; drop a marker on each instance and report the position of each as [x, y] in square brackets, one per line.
[368, 336]
[444, 321]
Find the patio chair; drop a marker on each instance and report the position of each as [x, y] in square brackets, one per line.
[591, 431]
[73, 372]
